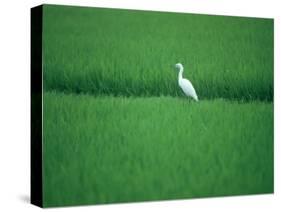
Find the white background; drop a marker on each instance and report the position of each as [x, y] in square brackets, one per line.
[15, 103]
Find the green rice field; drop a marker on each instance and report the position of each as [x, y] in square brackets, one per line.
[117, 127]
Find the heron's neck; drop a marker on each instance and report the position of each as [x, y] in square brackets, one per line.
[180, 73]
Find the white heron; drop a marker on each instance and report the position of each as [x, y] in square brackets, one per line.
[185, 84]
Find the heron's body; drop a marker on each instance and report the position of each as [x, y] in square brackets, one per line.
[185, 84]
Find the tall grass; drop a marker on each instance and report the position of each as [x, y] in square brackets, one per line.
[115, 126]
[104, 149]
[119, 52]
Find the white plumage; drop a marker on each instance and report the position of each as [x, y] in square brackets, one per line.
[185, 84]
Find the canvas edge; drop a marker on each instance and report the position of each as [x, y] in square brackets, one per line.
[36, 175]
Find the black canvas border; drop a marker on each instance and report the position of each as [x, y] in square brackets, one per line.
[36, 106]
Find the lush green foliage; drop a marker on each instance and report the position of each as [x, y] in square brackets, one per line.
[117, 128]
[105, 149]
[119, 52]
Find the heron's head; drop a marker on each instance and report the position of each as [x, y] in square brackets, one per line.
[179, 66]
